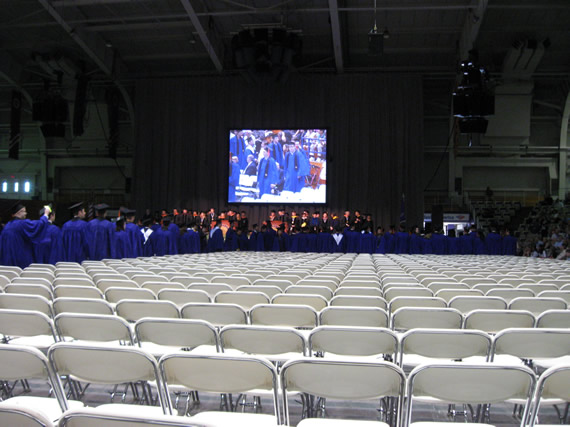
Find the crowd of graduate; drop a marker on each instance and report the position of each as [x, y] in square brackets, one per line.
[24, 241]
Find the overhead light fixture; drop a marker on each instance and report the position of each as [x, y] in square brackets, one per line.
[375, 39]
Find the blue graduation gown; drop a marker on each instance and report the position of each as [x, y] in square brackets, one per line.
[216, 241]
[233, 182]
[339, 247]
[159, 242]
[390, 243]
[438, 243]
[173, 245]
[352, 241]
[123, 248]
[18, 239]
[509, 245]
[102, 239]
[402, 243]
[252, 241]
[231, 243]
[237, 148]
[267, 174]
[367, 243]
[49, 250]
[136, 238]
[493, 243]
[297, 166]
[416, 244]
[243, 242]
[381, 244]
[75, 237]
[453, 245]
[427, 246]
[190, 242]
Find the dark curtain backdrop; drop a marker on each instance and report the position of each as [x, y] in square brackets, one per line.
[375, 139]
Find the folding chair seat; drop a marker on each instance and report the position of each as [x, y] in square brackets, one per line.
[29, 289]
[377, 343]
[108, 417]
[110, 364]
[276, 343]
[211, 288]
[487, 384]
[217, 314]
[354, 316]
[114, 295]
[77, 292]
[26, 302]
[399, 302]
[406, 318]
[315, 301]
[218, 374]
[343, 379]
[296, 316]
[91, 328]
[358, 301]
[420, 346]
[493, 321]
[32, 328]
[465, 304]
[18, 363]
[132, 310]
[537, 305]
[161, 336]
[552, 385]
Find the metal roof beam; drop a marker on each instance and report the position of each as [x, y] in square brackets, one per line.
[335, 29]
[202, 34]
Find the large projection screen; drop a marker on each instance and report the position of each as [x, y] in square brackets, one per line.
[277, 166]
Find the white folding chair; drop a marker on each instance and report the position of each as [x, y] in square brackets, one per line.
[354, 316]
[217, 314]
[552, 384]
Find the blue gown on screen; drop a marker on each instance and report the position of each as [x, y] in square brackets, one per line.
[233, 182]
[237, 148]
[267, 174]
[75, 237]
[18, 239]
[297, 166]
[49, 250]
[102, 236]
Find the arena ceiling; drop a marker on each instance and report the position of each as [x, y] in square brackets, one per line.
[130, 39]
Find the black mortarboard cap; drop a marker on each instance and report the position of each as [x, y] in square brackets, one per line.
[101, 207]
[76, 207]
[127, 211]
[16, 207]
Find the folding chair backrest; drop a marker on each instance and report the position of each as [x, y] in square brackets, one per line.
[281, 284]
[531, 343]
[23, 323]
[97, 417]
[407, 291]
[487, 384]
[354, 316]
[493, 321]
[133, 310]
[183, 296]
[93, 327]
[158, 286]
[217, 314]
[341, 379]
[552, 384]
[82, 305]
[296, 316]
[445, 343]
[114, 295]
[353, 341]
[537, 305]
[29, 289]
[73, 280]
[399, 302]
[105, 284]
[26, 302]
[406, 318]
[246, 300]
[77, 292]
[183, 333]
[553, 319]
[315, 301]
[323, 291]
[211, 288]
[510, 294]
[358, 301]
[465, 304]
[266, 340]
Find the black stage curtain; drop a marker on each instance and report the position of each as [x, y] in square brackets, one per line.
[375, 139]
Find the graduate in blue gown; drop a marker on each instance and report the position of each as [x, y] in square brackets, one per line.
[123, 248]
[452, 243]
[134, 232]
[75, 235]
[493, 242]
[338, 241]
[402, 242]
[439, 243]
[297, 167]
[101, 234]
[237, 148]
[267, 173]
[380, 241]
[146, 232]
[216, 240]
[50, 249]
[190, 241]
[367, 241]
[390, 238]
[175, 231]
[231, 242]
[234, 179]
[276, 150]
[252, 241]
[20, 235]
[243, 242]
[416, 242]
[509, 244]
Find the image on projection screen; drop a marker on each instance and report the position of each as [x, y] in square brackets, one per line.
[277, 166]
